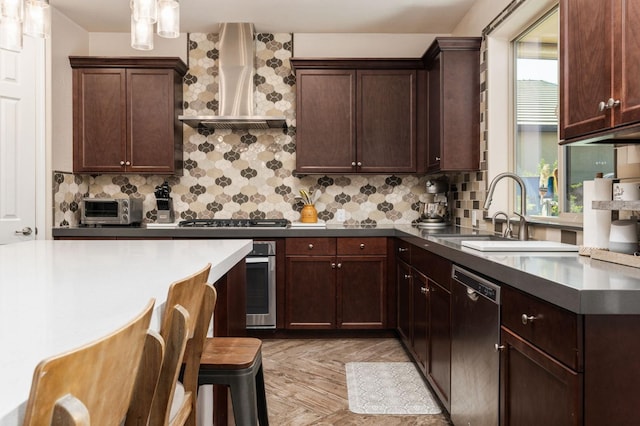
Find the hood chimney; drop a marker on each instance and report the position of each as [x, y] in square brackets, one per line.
[235, 91]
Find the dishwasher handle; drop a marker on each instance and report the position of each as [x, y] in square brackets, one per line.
[476, 284]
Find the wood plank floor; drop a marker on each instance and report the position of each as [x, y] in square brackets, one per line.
[306, 383]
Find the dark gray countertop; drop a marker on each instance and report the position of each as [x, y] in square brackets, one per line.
[574, 282]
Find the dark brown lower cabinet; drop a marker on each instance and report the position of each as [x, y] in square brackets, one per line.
[612, 370]
[336, 283]
[420, 318]
[424, 317]
[311, 292]
[361, 286]
[439, 364]
[536, 389]
[403, 277]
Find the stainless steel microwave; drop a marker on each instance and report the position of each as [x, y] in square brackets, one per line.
[111, 211]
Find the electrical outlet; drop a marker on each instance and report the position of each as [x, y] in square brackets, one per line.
[340, 215]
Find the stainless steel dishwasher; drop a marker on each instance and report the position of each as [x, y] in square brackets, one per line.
[475, 360]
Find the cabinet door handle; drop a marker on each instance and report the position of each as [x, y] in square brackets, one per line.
[361, 246]
[310, 246]
[402, 249]
[526, 319]
[610, 104]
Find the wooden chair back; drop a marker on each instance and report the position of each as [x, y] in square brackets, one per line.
[186, 296]
[92, 384]
[195, 347]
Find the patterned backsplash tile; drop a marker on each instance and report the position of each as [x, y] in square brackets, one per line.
[247, 174]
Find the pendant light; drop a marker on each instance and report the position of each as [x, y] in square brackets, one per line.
[37, 18]
[146, 13]
[141, 35]
[168, 18]
[17, 17]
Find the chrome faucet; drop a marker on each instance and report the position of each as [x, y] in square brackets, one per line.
[507, 230]
[523, 227]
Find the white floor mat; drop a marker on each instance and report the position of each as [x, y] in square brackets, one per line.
[388, 388]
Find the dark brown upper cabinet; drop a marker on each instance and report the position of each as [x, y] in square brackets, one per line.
[357, 116]
[125, 115]
[599, 67]
[453, 65]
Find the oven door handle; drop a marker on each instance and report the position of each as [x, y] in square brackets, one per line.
[257, 259]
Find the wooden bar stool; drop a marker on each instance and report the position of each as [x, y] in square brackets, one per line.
[236, 362]
[92, 384]
[162, 399]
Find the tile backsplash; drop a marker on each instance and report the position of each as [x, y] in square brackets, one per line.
[247, 174]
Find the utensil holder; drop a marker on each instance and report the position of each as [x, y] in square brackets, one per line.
[308, 214]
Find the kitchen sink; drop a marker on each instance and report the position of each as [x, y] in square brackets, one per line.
[472, 237]
[487, 242]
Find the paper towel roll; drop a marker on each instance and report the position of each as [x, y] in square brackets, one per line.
[596, 223]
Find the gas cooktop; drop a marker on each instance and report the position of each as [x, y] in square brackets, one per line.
[234, 223]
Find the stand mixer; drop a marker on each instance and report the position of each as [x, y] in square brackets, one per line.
[434, 213]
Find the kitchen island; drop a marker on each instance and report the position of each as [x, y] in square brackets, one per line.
[58, 295]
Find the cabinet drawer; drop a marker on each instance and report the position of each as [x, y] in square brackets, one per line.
[311, 246]
[403, 250]
[362, 246]
[437, 268]
[552, 329]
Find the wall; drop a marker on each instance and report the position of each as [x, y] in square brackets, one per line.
[119, 44]
[310, 45]
[67, 39]
[247, 174]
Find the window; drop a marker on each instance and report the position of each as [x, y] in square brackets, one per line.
[553, 175]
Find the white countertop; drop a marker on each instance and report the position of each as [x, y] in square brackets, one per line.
[58, 295]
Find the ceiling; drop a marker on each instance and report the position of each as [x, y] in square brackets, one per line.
[290, 16]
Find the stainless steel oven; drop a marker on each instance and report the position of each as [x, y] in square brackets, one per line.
[261, 285]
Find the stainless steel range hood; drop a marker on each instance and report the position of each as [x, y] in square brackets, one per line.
[235, 92]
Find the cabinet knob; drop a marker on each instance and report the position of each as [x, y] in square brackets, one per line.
[310, 246]
[407, 276]
[402, 249]
[437, 158]
[333, 265]
[361, 246]
[609, 104]
[128, 163]
[353, 164]
[526, 319]
[339, 265]
[499, 347]
[424, 290]
[122, 163]
[359, 163]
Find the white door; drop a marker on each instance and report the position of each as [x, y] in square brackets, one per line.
[21, 124]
